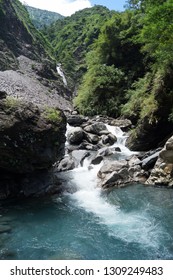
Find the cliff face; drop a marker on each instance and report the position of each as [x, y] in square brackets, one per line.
[18, 35]
[32, 97]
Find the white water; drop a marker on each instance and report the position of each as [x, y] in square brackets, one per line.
[129, 227]
[60, 72]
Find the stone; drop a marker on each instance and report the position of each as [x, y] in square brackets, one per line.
[75, 135]
[3, 94]
[111, 166]
[109, 139]
[65, 164]
[76, 120]
[31, 138]
[149, 162]
[96, 128]
[97, 160]
[162, 173]
[110, 180]
[91, 138]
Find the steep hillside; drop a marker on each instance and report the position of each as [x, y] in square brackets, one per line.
[18, 35]
[41, 18]
[25, 49]
[73, 36]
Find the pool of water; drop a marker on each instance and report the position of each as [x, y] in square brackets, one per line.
[127, 223]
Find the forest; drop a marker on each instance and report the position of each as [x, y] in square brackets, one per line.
[121, 63]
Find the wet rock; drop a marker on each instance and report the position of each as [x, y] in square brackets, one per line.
[97, 160]
[109, 139]
[91, 138]
[104, 152]
[117, 149]
[96, 128]
[76, 120]
[75, 135]
[66, 164]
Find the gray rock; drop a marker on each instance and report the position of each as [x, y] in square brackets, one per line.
[109, 139]
[162, 173]
[76, 120]
[91, 138]
[66, 164]
[75, 135]
[97, 160]
[96, 128]
[150, 161]
[110, 167]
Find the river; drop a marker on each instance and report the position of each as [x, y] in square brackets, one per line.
[86, 223]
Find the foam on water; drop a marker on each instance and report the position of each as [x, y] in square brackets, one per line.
[130, 227]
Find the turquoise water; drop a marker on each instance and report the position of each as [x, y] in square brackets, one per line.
[128, 223]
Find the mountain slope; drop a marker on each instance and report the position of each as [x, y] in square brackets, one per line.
[41, 18]
[73, 36]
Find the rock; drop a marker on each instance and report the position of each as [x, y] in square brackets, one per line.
[133, 160]
[66, 164]
[97, 160]
[91, 138]
[149, 162]
[75, 135]
[76, 120]
[3, 94]
[162, 173]
[117, 149]
[110, 167]
[31, 138]
[96, 128]
[104, 152]
[110, 180]
[109, 139]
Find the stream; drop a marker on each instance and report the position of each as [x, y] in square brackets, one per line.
[86, 223]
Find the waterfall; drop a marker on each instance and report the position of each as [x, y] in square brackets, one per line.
[60, 72]
[89, 197]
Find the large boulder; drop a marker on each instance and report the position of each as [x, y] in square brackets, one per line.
[76, 120]
[96, 128]
[75, 135]
[31, 138]
[162, 173]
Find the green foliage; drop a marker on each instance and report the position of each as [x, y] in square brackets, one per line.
[12, 103]
[38, 40]
[42, 18]
[100, 92]
[113, 65]
[73, 36]
[52, 115]
[141, 100]
[157, 31]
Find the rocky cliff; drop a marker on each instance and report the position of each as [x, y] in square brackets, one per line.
[32, 97]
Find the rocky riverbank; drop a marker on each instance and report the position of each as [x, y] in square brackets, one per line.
[91, 138]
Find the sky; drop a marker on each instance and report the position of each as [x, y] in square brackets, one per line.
[68, 7]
